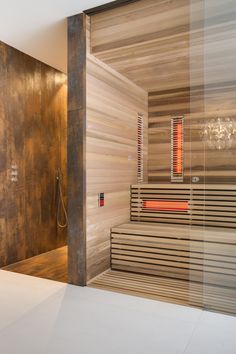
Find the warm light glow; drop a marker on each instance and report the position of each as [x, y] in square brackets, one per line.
[160, 205]
[219, 133]
[177, 149]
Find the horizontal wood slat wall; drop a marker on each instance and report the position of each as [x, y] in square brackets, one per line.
[33, 129]
[208, 205]
[211, 93]
[147, 41]
[161, 45]
[113, 104]
[198, 105]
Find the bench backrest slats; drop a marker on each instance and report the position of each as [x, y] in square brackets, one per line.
[206, 205]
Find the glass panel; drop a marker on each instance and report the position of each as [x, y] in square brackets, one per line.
[197, 153]
[213, 152]
[220, 159]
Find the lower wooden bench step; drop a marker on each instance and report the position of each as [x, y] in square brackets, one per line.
[169, 290]
[182, 252]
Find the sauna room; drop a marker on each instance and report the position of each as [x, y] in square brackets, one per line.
[152, 151]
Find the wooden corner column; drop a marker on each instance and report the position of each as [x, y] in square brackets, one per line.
[76, 150]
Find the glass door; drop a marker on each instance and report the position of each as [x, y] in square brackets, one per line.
[212, 127]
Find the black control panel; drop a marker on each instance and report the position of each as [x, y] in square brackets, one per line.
[101, 200]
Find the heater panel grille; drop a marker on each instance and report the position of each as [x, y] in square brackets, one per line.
[177, 142]
[140, 149]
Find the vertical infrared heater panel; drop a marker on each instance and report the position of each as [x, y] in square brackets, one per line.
[177, 149]
[140, 148]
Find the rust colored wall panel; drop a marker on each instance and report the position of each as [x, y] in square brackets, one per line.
[33, 144]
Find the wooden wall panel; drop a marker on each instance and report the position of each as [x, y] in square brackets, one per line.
[33, 121]
[220, 82]
[198, 105]
[113, 104]
[146, 41]
[162, 106]
[183, 53]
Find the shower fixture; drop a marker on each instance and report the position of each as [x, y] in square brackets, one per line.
[61, 209]
[219, 133]
[14, 173]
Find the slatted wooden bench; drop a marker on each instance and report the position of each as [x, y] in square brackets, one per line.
[208, 205]
[179, 231]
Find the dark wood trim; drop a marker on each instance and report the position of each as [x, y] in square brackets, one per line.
[217, 86]
[76, 150]
[109, 6]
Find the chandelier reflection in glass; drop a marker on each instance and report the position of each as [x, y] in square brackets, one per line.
[219, 133]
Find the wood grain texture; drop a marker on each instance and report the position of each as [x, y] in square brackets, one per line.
[183, 54]
[220, 82]
[181, 252]
[147, 41]
[108, 6]
[33, 129]
[51, 265]
[207, 205]
[197, 104]
[196, 245]
[113, 104]
[188, 68]
[77, 150]
[161, 44]
[182, 292]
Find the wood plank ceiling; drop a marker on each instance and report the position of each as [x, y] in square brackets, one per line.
[147, 41]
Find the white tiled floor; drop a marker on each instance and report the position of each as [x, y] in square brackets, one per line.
[43, 317]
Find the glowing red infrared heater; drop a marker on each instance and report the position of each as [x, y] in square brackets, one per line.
[177, 141]
[161, 205]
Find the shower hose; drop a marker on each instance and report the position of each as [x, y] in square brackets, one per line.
[61, 208]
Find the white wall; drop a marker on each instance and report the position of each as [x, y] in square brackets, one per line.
[39, 28]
